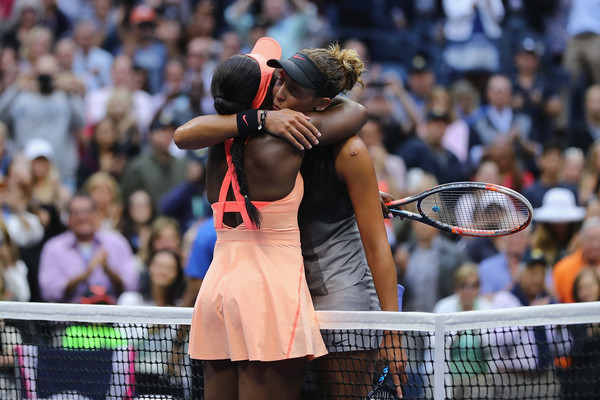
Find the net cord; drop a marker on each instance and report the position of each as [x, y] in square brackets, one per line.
[565, 314]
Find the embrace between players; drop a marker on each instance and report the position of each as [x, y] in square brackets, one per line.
[299, 227]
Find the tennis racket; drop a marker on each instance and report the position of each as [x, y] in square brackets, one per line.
[468, 209]
[384, 389]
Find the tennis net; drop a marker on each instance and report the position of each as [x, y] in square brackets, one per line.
[114, 352]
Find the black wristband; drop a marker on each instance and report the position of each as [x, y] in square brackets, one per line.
[247, 123]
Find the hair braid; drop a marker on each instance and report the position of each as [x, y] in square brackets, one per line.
[233, 89]
[237, 156]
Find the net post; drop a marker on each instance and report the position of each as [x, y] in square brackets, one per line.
[439, 388]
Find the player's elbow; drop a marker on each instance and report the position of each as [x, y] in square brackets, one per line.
[182, 138]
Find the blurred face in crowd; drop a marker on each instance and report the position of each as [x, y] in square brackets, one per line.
[82, 216]
[40, 168]
[434, 132]
[122, 71]
[421, 82]
[163, 269]
[101, 8]
[532, 280]
[588, 286]
[468, 290]
[174, 72]
[198, 53]
[167, 239]
[590, 244]
[84, 35]
[552, 162]
[527, 61]
[499, 91]
[105, 135]
[65, 50]
[140, 207]
[488, 172]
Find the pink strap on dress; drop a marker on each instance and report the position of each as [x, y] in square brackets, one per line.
[239, 205]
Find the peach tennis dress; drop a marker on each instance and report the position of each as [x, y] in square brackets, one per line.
[254, 303]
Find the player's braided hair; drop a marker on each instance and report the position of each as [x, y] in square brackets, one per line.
[233, 87]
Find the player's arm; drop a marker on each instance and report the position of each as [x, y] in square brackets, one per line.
[353, 164]
[208, 130]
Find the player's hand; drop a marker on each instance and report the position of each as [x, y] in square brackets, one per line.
[393, 353]
[293, 126]
[383, 198]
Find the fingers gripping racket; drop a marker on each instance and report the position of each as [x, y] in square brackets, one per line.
[468, 209]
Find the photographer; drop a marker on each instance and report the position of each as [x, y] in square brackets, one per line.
[47, 105]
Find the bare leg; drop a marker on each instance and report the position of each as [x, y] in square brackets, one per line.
[346, 375]
[275, 380]
[220, 380]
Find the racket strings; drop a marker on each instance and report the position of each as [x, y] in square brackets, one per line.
[476, 209]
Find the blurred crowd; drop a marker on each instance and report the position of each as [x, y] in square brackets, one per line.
[92, 186]
[95, 193]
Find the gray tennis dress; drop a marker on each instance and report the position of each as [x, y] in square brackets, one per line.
[337, 272]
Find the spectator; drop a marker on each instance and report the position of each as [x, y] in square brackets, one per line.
[286, 22]
[9, 68]
[56, 19]
[137, 219]
[105, 20]
[429, 154]
[472, 31]
[24, 16]
[512, 173]
[199, 67]
[164, 235]
[588, 254]
[161, 284]
[24, 227]
[13, 270]
[429, 260]
[390, 169]
[499, 119]
[582, 54]
[91, 63]
[456, 137]
[84, 256]
[105, 191]
[469, 353]
[102, 153]
[465, 100]
[500, 271]
[539, 342]
[173, 98]
[120, 110]
[534, 93]
[49, 108]
[157, 171]
[38, 42]
[556, 224]
[573, 170]
[479, 248]
[46, 188]
[122, 77]
[145, 48]
[579, 379]
[586, 130]
[551, 165]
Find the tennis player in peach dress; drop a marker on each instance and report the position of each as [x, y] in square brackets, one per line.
[254, 325]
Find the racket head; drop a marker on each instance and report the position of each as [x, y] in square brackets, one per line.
[475, 209]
